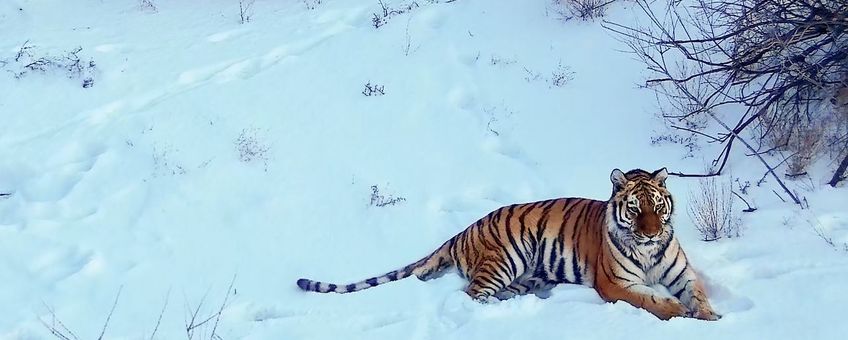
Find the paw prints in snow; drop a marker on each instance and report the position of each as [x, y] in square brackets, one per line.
[726, 302]
[54, 184]
[226, 35]
[53, 264]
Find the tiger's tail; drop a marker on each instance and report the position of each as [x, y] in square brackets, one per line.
[425, 269]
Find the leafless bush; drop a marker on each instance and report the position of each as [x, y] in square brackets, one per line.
[531, 76]
[499, 60]
[311, 4]
[62, 332]
[196, 324]
[756, 73]
[251, 147]
[28, 60]
[387, 11]
[373, 90]
[163, 163]
[586, 10]
[820, 134]
[200, 323]
[711, 210]
[495, 115]
[148, 5]
[836, 145]
[837, 245]
[245, 10]
[805, 147]
[379, 200]
[687, 141]
[561, 76]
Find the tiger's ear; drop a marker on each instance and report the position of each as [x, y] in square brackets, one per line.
[660, 176]
[618, 179]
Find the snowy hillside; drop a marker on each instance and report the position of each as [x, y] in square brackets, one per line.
[187, 152]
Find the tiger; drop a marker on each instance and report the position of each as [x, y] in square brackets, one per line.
[623, 247]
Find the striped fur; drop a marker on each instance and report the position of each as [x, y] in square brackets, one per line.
[621, 247]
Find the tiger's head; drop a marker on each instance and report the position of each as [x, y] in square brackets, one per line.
[641, 207]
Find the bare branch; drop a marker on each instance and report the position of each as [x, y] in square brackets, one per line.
[161, 313]
[223, 305]
[769, 65]
[750, 208]
[56, 327]
[195, 323]
[111, 311]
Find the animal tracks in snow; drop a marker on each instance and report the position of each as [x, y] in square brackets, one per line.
[214, 73]
[46, 192]
[246, 68]
[227, 71]
[362, 321]
[725, 301]
[55, 182]
[56, 263]
[226, 35]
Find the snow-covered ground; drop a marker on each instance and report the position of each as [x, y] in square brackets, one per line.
[209, 151]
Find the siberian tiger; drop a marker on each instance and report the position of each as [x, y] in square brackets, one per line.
[621, 247]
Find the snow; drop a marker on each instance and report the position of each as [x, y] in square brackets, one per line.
[209, 151]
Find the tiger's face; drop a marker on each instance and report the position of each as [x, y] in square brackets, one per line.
[642, 206]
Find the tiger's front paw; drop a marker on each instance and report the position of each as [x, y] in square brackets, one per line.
[485, 299]
[706, 313]
[670, 308]
[480, 296]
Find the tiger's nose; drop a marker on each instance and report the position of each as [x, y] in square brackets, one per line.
[648, 232]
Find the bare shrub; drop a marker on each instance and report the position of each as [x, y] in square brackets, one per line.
[711, 210]
[561, 76]
[756, 74]
[62, 332]
[251, 147]
[531, 76]
[499, 60]
[804, 147]
[687, 141]
[245, 10]
[30, 60]
[586, 10]
[311, 4]
[164, 163]
[148, 5]
[373, 90]
[837, 245]
[200, 322]
[496, 114]
[199, 326]
[818, 134]
[837, 145]
[379, 200]
[387, 11]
